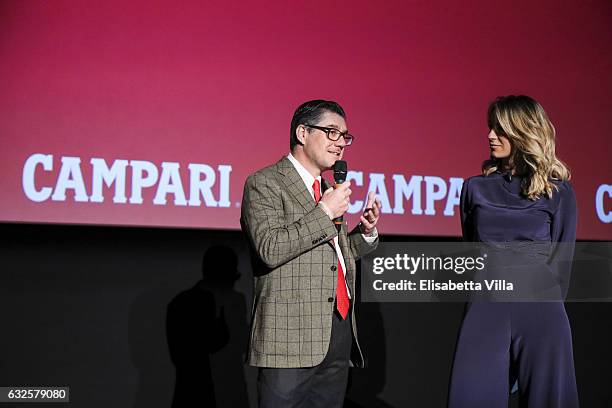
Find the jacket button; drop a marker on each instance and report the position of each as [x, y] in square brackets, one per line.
[333, 268]
[331, 299]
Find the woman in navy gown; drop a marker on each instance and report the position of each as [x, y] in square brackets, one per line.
[523, 198]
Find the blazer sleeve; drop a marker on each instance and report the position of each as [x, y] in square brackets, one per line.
[262, 219]
[359, 246]
[563, 235]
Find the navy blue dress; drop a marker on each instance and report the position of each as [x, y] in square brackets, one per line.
[500, 342]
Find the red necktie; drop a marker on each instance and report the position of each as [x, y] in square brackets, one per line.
[342, 300]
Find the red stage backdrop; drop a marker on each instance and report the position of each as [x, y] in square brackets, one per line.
[154, 113]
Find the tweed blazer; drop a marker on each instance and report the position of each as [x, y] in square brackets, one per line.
[294, 269]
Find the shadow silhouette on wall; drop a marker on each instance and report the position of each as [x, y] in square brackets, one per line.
[207, 333]
[148, 347]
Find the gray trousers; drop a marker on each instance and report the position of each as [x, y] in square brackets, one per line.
[322, 386]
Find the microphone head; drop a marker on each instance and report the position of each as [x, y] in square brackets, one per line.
[340, 170]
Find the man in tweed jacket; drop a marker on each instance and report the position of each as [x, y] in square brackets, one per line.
[300, 337]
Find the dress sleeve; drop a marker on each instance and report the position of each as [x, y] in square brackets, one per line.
[465, 205]
[563, 235]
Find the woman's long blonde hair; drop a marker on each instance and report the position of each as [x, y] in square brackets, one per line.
[532, 137]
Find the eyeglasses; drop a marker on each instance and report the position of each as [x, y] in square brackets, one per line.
[335, 134]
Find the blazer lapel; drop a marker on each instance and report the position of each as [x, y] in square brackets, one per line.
[294, 183]
[345, 247]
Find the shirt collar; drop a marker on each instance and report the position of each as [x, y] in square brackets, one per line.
[304, 174]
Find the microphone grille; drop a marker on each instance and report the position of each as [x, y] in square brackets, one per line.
[340, 169]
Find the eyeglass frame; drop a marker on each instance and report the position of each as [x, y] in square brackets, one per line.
[328, 130]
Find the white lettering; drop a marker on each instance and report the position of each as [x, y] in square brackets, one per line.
[435, 190]
[201, 186]
[170, 183]
[70, 178]
[407, 190]
[454, 196]
[357, 177]
[224, 180]
[101, 173]
[28, 177]
[377, 184]
[599, 203]
[139, 180]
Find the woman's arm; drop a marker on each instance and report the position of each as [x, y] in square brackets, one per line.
[563, 235]
[467, 225]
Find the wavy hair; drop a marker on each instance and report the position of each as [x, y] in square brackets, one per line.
[532, 136]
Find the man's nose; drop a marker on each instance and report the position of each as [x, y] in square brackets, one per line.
[340, 142]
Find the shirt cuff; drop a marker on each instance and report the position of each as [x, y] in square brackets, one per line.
[371, 237]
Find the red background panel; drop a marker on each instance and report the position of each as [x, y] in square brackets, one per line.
[217, 83]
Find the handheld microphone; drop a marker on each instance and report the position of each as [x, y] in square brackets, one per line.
[340, 170]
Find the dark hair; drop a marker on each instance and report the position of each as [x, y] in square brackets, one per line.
[309, 113]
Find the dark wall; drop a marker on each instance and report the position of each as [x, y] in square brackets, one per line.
[125, 316]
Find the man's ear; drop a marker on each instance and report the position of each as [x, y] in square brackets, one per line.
[300, 134]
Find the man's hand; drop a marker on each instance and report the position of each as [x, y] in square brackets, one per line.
[336, 200]
[370, 215]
